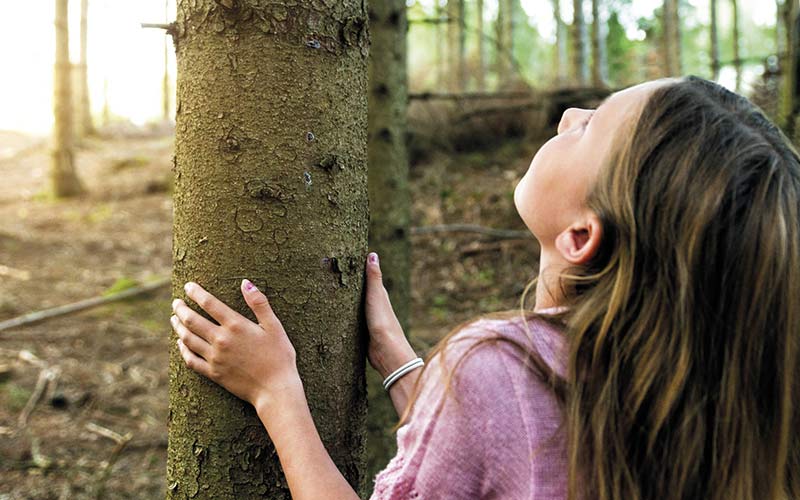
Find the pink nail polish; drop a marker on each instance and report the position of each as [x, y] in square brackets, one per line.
[373, 257]
[248, 285]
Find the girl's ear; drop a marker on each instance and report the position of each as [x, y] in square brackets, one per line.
[579, 243]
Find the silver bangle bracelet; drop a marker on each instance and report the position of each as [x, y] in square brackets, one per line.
[395, 375]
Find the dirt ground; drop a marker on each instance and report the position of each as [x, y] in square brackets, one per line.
[99, 428]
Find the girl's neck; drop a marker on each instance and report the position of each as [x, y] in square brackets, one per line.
[548, 289]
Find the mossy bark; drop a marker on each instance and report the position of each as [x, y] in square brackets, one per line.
[271, 185]
[390, 199]
[64, 180]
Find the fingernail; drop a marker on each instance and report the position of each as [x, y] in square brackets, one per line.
[373, 257]
[248, 285]
[174, 304]
[187, 286]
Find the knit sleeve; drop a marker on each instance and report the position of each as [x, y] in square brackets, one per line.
[453, 453]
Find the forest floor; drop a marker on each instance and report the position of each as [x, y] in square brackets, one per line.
[99, 428]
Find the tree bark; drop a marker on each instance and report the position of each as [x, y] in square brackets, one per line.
[599, 71]
[271, 185]
[672, 38]
[63, 178]
[561, 44]
[713, 33]
[737, 57]
[389, 199]
[580, 41]
[86, 124]
[480, 76]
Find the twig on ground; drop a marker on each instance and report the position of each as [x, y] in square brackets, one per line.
[122, 441]
[19, 274]
[82, 305]
[47, 377]
[472, 228]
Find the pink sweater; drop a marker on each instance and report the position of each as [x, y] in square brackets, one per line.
[502, 442]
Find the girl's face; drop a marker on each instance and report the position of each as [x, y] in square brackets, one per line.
[552, 194]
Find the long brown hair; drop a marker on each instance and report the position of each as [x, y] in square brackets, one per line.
[683, 371]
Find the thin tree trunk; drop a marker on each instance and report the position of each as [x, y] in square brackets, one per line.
[480, 77]
[441, 46]
[63, 178]
[599, 72]
[389, 199]
[789, 69]
[714, 41]
[454, 46]
[580, 40]
[737, 58]
[86, 124]
[165, 90]
[561, 44]
[462, 46]
[271, 185]
[672, 38]
[505, 42]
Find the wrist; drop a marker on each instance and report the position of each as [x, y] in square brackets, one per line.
[280, 398]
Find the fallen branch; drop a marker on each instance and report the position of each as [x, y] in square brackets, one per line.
[508, 234]
[82, 305]
[458, 96]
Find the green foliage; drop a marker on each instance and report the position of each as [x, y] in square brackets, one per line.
[122, 283]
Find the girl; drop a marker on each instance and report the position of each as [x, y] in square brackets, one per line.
[660, 359]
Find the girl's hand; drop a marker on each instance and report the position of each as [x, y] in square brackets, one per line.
[255, 362]
[388, 347]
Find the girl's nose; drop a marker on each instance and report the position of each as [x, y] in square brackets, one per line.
[571, 117]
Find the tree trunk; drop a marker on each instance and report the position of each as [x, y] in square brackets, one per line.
[271, 185]
[480, 77]
[505, 42]
[737, 58]
[63, 178]
[714, 41]
[580, 40]
[789, 69]
[599, 71]
[672, 38]
[440, 47]
[165, 90]
[561, 44]
[456, 45]
[389, 200]
[86, 124]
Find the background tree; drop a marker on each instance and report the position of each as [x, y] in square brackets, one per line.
[713, 34]
[561, 44]
[672, 38]
[271, 184]
[389, 199]
[63, 178]
[737, 56]
[789, 68]
[480, 74]
[599, 68]
[166, 92]
[580, 45]
[85, 110]
[504, 39]
[439, 42]
[455, 44]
